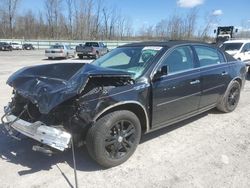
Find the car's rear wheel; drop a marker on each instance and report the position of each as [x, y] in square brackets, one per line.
[114, 138]
[80, 56]
[230, 100]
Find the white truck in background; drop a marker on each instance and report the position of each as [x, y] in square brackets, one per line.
[224, 33]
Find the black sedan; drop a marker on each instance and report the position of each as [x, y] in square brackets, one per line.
[27, 46]
[4, 46]
[133, 90]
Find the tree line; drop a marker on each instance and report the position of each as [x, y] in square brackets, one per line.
[64, 19]
[94, 20]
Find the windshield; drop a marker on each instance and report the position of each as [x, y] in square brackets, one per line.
[56, 47]
[130, 59]
[231, 46]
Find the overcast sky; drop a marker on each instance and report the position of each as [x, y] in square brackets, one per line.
[149, 12]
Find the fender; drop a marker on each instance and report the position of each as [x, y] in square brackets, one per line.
[122, 103]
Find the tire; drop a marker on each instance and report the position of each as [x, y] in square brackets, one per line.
[107, 144]
[230, 100]
[248, 69]
[50, 58]
[80, 56]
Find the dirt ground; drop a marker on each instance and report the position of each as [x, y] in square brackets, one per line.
[210, 150]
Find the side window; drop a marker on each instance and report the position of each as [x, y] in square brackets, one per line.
[179, 59]
[208, 56]
[244, 48]
[221, 56]
[248, 47]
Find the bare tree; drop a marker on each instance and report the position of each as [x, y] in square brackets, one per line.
[53, 8]
[70, 17]
[190, 23]
[210, 20]
[9, 8]
[97, 19]
[106, 17]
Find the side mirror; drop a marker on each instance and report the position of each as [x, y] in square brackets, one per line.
[215, 31]
[236, 30]
[164, 70]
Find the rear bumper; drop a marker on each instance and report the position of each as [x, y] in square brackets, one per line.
[55, 55]
[38, 131]
[86, 53]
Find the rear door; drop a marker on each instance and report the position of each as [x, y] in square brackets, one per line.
[214, 74]
[178, 93]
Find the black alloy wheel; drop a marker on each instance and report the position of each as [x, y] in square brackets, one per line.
[233, 97]
[120, 139]
[114, 138]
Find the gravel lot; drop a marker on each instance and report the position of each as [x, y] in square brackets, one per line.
[211, 150]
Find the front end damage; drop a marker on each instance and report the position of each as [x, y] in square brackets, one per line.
[51, 109]
[50, 136]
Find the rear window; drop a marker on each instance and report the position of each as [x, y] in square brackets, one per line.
[56, 47]
[231, 46]
[90, 44]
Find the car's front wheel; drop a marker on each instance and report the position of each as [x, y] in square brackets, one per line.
[114, 138]
[230, 100]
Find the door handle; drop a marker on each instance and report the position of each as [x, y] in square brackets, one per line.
[224, 73]
[195, 82]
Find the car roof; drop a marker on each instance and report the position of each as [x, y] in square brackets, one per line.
[169, 43]
[238, 41]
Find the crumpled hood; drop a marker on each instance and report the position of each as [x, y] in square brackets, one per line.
[50, 85]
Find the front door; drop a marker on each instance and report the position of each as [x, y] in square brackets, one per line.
[178, 93]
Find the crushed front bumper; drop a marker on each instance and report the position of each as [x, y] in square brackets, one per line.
[38, 131]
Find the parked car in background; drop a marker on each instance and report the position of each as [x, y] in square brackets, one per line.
[27, 46]
[4, 46]
[91, 50]
[59, 51]
[133, 90]
[239, 49]
[16, 46]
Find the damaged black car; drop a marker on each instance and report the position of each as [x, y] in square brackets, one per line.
[110, 103]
